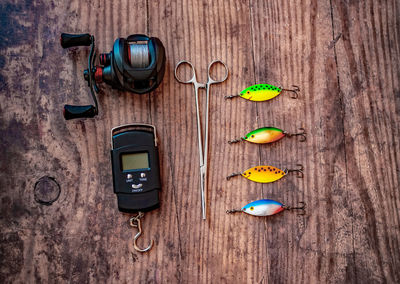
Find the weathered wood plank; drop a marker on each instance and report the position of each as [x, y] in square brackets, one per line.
[75, 239]
[291, 47]
[368, 73]
[201, 31]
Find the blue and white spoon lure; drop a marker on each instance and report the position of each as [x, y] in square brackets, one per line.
[266, 207]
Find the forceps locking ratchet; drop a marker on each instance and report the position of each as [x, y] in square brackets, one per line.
[203, 152]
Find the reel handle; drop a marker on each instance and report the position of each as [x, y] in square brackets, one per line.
[71, 112]
[70, 40]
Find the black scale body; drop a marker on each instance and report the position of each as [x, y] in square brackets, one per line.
[137, 189]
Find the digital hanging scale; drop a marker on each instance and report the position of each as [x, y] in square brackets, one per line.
[135, 167]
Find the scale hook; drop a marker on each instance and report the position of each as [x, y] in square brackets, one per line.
[135, 222]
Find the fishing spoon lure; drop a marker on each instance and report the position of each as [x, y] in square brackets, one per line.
[268, 135]
[264, 92]
[267, 207]
[266, 174]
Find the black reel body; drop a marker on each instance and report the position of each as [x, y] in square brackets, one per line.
[135, 64]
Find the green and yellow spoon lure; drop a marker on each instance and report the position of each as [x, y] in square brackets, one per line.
[268, 135]
[266, 174]
[264, 92]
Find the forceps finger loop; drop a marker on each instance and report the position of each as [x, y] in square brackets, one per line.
[210, 79]
[192, 79]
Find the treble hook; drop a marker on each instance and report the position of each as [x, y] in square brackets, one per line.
[294, 91]
[135, 222]
[302, 207]
[302, 134]
[299, 171]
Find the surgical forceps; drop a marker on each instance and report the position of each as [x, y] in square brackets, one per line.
[203, 152]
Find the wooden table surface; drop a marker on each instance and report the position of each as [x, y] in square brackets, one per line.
[345, 57]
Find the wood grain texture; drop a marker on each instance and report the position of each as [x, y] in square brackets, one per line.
[344, 56]
[369, 87]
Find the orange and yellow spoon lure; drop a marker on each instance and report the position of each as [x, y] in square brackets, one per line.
[266, 174]
[264, 92]
[268, 135]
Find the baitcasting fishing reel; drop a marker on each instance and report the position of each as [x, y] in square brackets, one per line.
[135, 64]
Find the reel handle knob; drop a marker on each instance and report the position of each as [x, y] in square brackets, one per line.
[70, 40]
[71, 112]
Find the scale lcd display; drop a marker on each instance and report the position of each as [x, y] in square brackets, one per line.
[135, 161]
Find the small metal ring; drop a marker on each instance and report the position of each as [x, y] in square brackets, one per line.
[52, 182]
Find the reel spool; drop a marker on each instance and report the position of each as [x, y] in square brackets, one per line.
[135, 64]
[138, 55]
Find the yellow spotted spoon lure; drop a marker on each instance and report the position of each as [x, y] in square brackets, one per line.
[268, 135]
[266, 174]
[264, 92]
